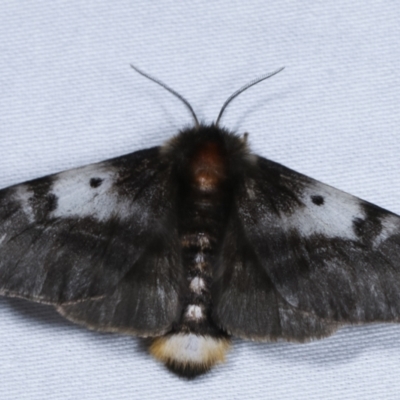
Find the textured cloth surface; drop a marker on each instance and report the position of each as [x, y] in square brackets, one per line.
[69, 98]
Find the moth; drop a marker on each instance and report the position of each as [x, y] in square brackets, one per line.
[196, 241]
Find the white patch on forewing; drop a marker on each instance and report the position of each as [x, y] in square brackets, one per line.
[196, 285]
[333, 218]
[390, 226]
[76, 198]
[22, 195]
[194, 312]
[2, 238]
[191, 348]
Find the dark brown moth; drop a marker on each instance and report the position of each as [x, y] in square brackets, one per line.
[196, 241]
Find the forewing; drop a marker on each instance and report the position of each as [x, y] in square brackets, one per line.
[83, 235]
[323, 254]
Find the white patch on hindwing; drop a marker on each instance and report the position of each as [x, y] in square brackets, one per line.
[2, 238]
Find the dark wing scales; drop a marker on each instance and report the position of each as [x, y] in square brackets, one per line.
[138, 303]
[246, 303]
[83, 234]
[324, 257]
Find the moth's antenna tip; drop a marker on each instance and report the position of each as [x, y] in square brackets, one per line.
[166, 87]
[243, 88]
[133, 67]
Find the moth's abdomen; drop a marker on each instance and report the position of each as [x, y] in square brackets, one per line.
[196, 343]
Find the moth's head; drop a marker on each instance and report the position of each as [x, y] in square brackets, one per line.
[206, 154]
[212, 137]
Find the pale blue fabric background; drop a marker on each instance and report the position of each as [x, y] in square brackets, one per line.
[68, 97]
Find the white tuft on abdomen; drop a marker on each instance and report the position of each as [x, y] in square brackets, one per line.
[190, 350]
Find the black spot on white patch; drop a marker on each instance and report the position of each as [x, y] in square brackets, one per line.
[95, 182]
[317, 200]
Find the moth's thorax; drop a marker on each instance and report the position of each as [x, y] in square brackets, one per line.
[208, 166]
